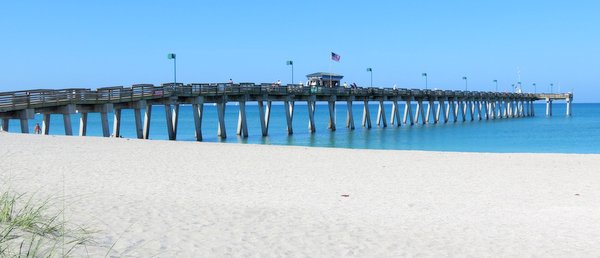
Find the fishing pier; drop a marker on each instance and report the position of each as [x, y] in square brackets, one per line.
[430, 106]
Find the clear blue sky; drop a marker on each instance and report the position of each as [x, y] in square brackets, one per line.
[58, 44]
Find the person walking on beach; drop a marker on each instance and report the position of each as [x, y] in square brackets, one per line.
[37, 129]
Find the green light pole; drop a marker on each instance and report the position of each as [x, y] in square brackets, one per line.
[520, 87]
[291, 63]
[172, 56]
[496, 81]
[425, 75]
[465, 78]
[514, 88]
[551, 86]
[371, 71]
[534, 88]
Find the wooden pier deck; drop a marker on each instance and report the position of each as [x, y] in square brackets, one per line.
[432, 106]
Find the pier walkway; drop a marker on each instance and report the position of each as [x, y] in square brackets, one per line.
[430, 106]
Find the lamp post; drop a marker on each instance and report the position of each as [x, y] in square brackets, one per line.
[551, 85]
[371, 71]
[496, 81]
[172, 56]
[290, 62]
[514, 88]
[520, 87]
[534, 88]
[425, 75]
[465, 78]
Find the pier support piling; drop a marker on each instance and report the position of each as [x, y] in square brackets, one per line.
[454, 110]
[267, 117]
[366, 119]
[429, 110]
[68, 126]
[442, 111]
[198, 112]
[395, 116]
[463, 110]
[147, 118]
[408, 113]
[139, 132]
[420, 112]
[175, 120]
[5, 122]
[349, 114]
[288, 106]
[332, 117]
[117, 123]
[438, 111]
[221, 131]
[497, 106]
[478, 106]
[24, 125]
[311, 114]
[83, 118]
[242, 128]
[548, 107]
[472, 109]
[485, 109]
[45, 124]
[169, 118]
[381, 119]
[104, 121]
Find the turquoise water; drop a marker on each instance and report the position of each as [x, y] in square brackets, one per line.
[558, 134]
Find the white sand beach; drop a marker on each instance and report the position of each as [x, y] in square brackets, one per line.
[190, 199]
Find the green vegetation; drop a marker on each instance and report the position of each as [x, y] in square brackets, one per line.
[28, 229]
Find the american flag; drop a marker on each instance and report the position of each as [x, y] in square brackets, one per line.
[335, 57]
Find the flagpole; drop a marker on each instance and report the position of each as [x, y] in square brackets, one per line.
[330, 69]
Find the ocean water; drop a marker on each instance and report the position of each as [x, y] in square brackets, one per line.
[579, 133]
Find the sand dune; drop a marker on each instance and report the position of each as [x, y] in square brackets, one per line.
[189, 199]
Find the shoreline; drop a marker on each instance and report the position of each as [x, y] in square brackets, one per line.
[211, 199]
[303, 146]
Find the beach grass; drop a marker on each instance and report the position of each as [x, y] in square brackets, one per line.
[29, 229]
